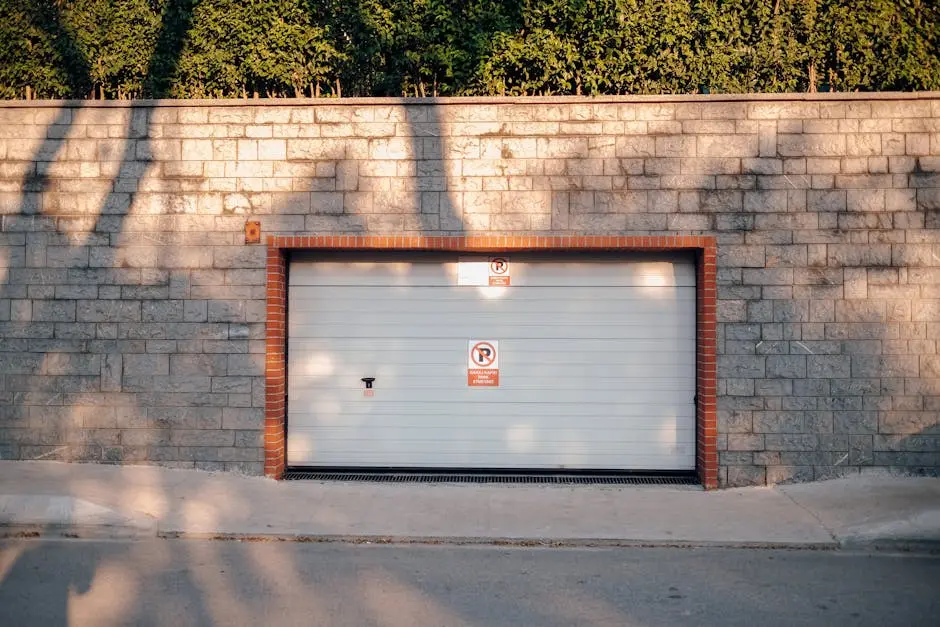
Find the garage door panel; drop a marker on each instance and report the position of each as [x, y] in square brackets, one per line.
[524, 273]
[556, 429]
[374, 274]
[329, 410]
[629, 429]
[503, 394]
[456, 300]
[483, 443]
[380, 365]
[338, 300]
[654, 274]
[497, 320]
[475, 330]
[531, 301]
[630, 379]
[596, 365]
[396, 312]
[335, 349]
[452, 450]
[526, 448]
[628, 419]
[677, 421]
[575, 457]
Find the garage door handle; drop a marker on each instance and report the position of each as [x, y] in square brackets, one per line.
[368, 381]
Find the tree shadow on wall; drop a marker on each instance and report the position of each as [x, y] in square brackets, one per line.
[847, 377]
[69, 219]
[69, 398]
[64, 397]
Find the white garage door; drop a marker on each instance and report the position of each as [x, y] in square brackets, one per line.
[596, 363]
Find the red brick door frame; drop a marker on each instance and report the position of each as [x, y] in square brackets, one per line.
[275, 421]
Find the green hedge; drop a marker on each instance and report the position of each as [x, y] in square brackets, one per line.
[277, 48]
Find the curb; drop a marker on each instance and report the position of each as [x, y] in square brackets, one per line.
[50, 515]
[928, 546]
[520, 542]
[27, 530]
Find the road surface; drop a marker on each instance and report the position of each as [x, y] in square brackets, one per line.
[204, 582]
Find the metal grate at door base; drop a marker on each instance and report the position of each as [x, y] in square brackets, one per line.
[557, 479]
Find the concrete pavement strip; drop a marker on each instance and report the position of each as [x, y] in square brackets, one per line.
[879, 511]
[85, 500]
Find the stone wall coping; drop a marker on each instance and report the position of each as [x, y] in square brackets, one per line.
[483, 100]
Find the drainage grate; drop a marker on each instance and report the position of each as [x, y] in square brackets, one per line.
[536, 478]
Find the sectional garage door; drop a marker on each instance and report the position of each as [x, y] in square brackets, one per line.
[596, 363]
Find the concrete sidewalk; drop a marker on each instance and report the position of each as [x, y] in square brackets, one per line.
[86, 500]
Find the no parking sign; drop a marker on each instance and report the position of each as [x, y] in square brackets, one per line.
[483, 363]
[499, 272]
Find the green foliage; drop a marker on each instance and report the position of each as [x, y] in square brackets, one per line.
[115, 41]
[883, 45]
[273, 48]
[678, 46]
[36, 53]
[246, 47]
[412, 47]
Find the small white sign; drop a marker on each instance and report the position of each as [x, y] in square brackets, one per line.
[483, 271]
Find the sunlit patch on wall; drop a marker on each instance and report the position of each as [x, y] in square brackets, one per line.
[520, 438]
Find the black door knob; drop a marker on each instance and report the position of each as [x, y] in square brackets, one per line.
[368, 381]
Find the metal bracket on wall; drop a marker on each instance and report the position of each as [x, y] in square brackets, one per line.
[252, 232]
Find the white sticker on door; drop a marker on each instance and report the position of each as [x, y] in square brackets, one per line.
[484, 271]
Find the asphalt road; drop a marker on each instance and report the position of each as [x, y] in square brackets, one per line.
[193, 582]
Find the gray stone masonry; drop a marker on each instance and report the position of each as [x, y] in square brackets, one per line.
[132, 314]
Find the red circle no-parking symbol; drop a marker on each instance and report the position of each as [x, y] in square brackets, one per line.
[483, 354]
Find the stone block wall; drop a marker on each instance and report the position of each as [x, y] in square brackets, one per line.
[132, 312]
